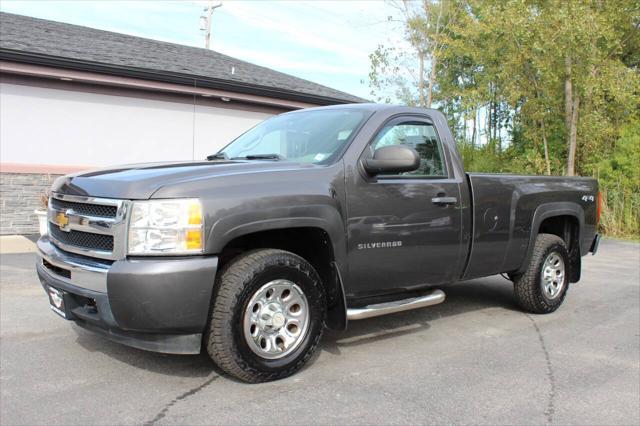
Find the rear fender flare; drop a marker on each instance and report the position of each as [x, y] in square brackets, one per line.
[546, 211]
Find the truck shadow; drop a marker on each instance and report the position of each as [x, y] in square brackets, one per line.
[491, 292]
[166, 364]
[475, 295]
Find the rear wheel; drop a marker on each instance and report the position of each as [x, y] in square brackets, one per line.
[543, 286]
[268, 315]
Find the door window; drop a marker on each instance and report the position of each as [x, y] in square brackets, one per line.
[420, 136]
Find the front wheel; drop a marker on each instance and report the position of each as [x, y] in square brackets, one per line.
[543, 286]
[268, 315]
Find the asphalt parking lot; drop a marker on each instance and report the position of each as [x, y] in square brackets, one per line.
[474, 359]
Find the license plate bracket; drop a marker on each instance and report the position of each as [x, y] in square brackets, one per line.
[57, 302]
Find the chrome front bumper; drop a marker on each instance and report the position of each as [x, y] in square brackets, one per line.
[82, 272]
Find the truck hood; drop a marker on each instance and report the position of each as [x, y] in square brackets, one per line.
[141, 181]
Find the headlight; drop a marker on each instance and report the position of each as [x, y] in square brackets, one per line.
[166, 227]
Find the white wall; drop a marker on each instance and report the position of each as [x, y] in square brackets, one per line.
[52, 126]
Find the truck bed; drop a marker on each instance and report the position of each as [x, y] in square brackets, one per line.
[505, 208]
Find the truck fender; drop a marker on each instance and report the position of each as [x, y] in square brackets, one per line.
[546, 211]
[325, 217]
[329, 221]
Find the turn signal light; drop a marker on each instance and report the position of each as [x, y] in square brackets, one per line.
[194, 239]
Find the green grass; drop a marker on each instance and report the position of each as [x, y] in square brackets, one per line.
[620, 215]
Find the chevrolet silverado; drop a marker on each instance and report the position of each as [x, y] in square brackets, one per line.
[311, 219]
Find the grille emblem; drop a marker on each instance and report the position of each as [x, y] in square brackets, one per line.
[62, 220]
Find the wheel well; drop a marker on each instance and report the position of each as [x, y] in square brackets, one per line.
[567, 228]
[312, 244]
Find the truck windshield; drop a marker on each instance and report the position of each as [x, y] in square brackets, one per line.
[316, 137]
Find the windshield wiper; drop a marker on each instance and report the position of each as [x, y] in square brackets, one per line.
[260, 157]
[217, 156]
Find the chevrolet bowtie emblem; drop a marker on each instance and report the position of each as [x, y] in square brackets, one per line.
[62, 220]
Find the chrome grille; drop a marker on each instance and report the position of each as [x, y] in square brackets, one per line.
[85, 240]
[97, 210]
[94, 227]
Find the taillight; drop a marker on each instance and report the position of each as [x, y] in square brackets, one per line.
[599, 209]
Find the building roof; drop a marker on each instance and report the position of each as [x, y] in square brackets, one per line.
[43, 42]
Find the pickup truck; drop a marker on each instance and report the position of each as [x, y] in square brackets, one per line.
[311, 219]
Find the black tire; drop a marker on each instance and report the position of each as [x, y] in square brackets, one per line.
[235, 285]
[528, 287]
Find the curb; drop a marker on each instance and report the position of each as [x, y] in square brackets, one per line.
[10, 244]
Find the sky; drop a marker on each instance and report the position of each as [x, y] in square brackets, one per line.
[327, 42]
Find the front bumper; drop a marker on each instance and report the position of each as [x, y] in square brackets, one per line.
[156, 304]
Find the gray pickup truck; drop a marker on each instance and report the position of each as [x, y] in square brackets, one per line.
[313, 218]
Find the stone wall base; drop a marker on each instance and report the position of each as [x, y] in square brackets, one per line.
[20, 195]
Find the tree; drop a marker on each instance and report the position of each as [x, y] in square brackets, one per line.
[529, 86]
[423, 23]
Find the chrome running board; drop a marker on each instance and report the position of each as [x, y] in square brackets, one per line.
[433, 298]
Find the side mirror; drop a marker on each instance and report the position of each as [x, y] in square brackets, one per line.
[392, 159]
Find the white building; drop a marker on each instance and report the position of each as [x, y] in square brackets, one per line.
[73, 98]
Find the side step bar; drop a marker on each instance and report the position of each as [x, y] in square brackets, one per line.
[433, 298]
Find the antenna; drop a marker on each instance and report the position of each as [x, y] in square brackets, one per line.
[205, 22]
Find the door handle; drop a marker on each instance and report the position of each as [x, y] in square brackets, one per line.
[444, 200]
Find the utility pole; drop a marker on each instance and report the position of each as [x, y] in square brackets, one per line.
[205, 22]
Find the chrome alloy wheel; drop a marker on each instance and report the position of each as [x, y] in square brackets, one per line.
[276, 319]
[553, 272]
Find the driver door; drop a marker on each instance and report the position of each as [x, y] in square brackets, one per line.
[399, 235]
